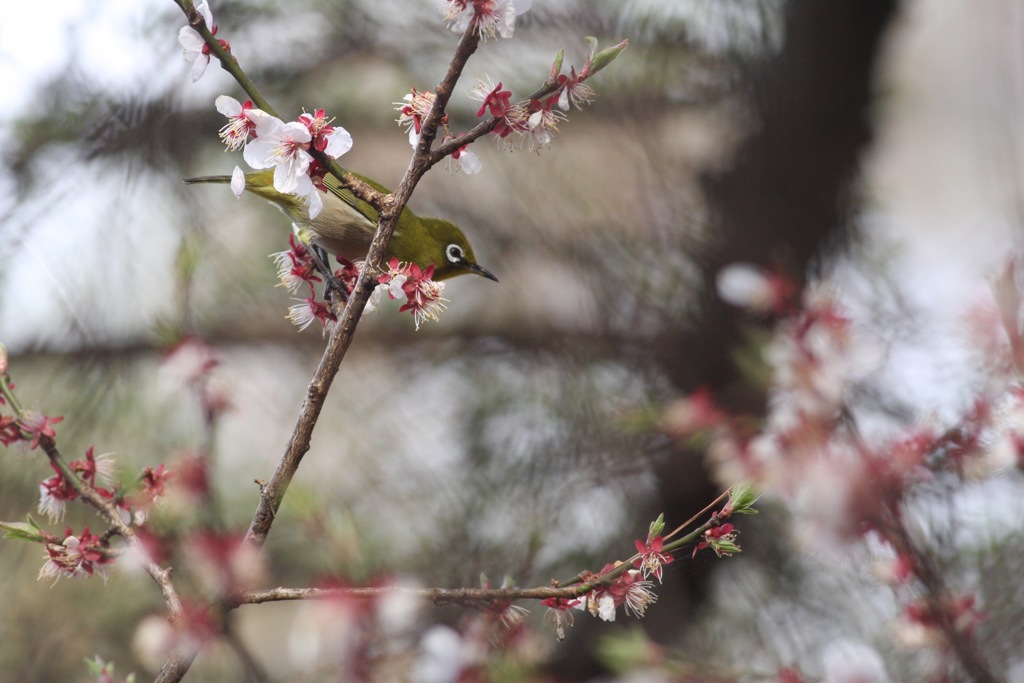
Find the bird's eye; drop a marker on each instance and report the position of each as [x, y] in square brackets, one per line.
[454, 253]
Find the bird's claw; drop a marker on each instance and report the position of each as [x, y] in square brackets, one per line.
[333, 284]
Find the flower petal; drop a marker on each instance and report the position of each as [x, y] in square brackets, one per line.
[199, 66]
[228, 106]
[338, 142]
[237, 182]
[191, 42]
[469, 162]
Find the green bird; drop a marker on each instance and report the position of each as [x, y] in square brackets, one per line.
[346, 225]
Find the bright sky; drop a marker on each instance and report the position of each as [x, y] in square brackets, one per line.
[105, 36]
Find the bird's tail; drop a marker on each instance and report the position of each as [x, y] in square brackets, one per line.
[260, 183]
[225, 179]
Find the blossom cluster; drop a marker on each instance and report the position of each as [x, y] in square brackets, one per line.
[55, 492]
[195, 49]
[78, 555]
[75, 556]
[91, 477]
[630, 589]
[845, 487]
[267, 141]
[487, 18]
[296, 267]
[531, 122]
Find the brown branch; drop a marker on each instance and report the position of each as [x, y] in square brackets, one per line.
[273, 492]
[474, 597]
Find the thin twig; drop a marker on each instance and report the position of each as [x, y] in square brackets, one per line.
[110, 514]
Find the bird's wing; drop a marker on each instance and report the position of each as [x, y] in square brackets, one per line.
[347, 224]
[335, 187]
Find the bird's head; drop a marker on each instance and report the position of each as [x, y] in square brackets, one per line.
[441, 243]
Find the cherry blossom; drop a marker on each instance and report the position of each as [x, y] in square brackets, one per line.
[412, 112]
[542, 123]
[154, 482]
[465, 160]
[488, 17]
[307, 310]
[633, 591]
[281, 146]
[75, 556]
[424, 296]
[285, 148]
[240, 126]
[331, 140]
[95, 470]
[559, 614]
[652, 559]
[296, 266]
[54, 494]
[309, 190]
[38, 426]
[493, 99]
[512, 118]
[754, 288]
[721, 539]
[574, 92]
[194, 48]
[9, 431]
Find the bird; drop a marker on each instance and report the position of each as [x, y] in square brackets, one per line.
[346, 225]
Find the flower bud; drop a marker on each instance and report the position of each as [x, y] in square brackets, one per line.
[3, 359]
[606, 56]
[556, 66]
[742, 497]
[657, 526]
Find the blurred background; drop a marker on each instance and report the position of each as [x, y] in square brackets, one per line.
[875, 147]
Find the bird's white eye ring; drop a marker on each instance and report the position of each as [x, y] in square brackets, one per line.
[454, 253]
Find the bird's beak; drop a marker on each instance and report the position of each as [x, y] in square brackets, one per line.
[480, 270]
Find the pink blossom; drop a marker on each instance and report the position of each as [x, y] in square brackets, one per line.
[633, 591]
[574, 92]
[95, 469]
[296, 266]
[154, 482]
[488, 17]
[559, 614]
[424, 296]
[194, 48]
[240, 126]
[757, 289]
[721, 539]
[493, 99]
[39, 426]
[222, 562]
[75, 556]
[692, 415]
[9, 430]
[281, 146]
[466, 160]
[331, 140]
[412, 112]
[542, 123]
[307, 310]
[190, 362]
[652, 559]
[54, 494]
[511, 118]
